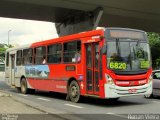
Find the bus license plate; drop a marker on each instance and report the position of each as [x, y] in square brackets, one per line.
[132, 90]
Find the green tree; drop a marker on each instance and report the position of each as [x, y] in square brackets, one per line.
[154, 41]
[3, 48]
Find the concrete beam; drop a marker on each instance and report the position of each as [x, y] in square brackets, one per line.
[139, 14]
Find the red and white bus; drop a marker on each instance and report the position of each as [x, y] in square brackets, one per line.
[107, 63]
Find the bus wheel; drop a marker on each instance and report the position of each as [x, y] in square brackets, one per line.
[74, 92]
[24, 88]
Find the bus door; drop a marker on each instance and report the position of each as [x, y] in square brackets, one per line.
[92, 68]
[12, 69]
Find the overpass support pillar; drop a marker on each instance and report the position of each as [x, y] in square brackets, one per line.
[80, 21]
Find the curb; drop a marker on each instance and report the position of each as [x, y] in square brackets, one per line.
[4, 94]
[43, 109]
[46, 110]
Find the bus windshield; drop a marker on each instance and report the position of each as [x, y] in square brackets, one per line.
[128, 55]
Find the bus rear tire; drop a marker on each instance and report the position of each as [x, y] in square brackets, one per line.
[74, 92]
[24, 89]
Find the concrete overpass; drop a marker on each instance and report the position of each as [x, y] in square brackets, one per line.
[73, 16]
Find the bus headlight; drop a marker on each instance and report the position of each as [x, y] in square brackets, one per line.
[150, 78]
[109, 79]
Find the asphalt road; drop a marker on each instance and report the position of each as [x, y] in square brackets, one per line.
[89, 108]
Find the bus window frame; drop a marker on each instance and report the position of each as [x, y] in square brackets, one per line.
[80, 51]
[21, 58]
[43, 55]
[23, 61]
[54, 54]
[7, 59]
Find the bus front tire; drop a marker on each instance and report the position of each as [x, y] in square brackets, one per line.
[24, 88]
[74, 92]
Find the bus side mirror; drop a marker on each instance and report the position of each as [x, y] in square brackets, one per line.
[104, 49]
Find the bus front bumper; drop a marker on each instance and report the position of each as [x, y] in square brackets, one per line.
[113, 91]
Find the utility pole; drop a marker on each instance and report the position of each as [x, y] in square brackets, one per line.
[8, 35]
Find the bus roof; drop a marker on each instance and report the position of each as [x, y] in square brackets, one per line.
[19, 47]
[60, 39]
[69, 37]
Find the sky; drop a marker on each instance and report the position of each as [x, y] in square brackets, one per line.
[23, 32]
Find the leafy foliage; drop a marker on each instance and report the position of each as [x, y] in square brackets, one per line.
[3, 48]
[154, 41]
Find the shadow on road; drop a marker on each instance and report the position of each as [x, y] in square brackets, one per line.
[125, 101]
[96, 101]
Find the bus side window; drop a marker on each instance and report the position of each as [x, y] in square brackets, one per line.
[40, 55]
[27, 56]
[72, 51]
[19, 58]
[7, 59]
[54, 53]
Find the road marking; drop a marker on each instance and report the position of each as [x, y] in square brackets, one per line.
[22, 95]
[43, 99]
[110, 113]
[155, 101]
[114, 114]
[73, 105]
